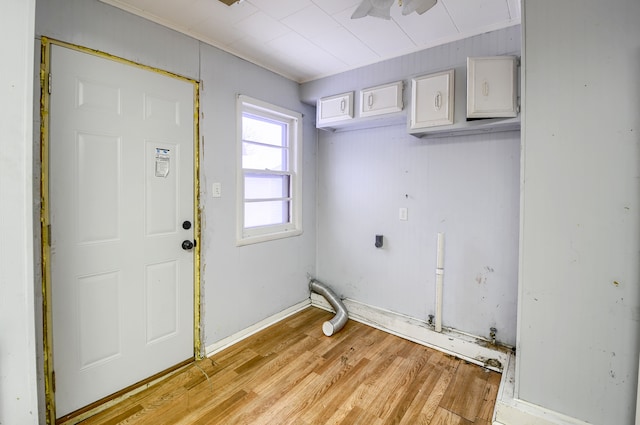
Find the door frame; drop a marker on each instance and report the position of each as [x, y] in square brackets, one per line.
[47, 321]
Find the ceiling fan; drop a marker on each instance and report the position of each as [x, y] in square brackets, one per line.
[379, 8]
[382, 8]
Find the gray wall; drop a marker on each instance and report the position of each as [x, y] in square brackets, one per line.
[241, 285]
[579, 307]
[579, 266]
[18, 340]
[464, 186]
[244, 285]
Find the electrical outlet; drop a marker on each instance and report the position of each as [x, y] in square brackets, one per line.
[403, 214]
[216, 190]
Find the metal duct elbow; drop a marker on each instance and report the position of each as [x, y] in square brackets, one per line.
[340, 319]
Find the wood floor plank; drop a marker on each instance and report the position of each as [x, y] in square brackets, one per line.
[448, 367]
[334, 400]
[423, 387]
[271, 388]
[410, 389]
[376, 385]
[314, 392]
[292, 374]
[217, 412]
[349, 350]
[488, 401]
[321, 411]
[445, 417]
[358, 416]
[397, 384]
[465, 394]
[121, 417]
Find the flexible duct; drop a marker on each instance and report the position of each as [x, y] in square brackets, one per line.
[340, 319]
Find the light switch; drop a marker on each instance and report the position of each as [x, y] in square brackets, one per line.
[403, 214]
[217, 190]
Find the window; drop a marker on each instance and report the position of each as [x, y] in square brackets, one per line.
[269, 152]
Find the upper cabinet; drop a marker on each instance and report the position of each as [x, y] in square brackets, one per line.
[492, 87]
[334, 109]
[377, 106]
[379, 100]
[437, 102]
[432, 100]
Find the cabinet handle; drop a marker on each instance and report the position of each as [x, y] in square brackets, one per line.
[485, 88]
[438, 101]
[370, 100]
[343, 105]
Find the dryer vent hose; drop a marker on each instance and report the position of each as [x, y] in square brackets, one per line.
[340, 319]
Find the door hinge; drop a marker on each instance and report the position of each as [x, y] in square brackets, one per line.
[49, 84]
[49, 234]
[53, 381]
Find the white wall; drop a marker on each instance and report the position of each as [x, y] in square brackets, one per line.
[241, 286]
[465, 186]
[18, 369]
[579, 332]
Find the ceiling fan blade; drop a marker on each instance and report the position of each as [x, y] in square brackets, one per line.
[375, 8]
[378, 12]
[426, 5]
[418, 6]
[362, 10]
[382, 4]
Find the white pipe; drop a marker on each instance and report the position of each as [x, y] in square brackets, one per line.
[439, 279]
[440, 252]
[340, 319]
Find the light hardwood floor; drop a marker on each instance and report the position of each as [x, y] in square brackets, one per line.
[290, 373]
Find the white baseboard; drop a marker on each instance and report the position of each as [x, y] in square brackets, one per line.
[512, 411]
[247, 332]
[468, 347]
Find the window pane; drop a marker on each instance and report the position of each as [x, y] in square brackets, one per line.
[262, 130]
[265, 213]
[269, 189]
[260, 157]
[265, 186]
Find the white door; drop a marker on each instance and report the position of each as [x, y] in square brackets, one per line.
[120, 186]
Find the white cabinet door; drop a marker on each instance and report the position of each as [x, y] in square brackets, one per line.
[492, 87]
[432, 100]
[334, 108]
[380, 100]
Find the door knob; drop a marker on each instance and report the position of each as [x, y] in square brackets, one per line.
[187, 245]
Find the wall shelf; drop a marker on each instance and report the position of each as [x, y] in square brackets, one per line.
[464, 128]
[361, 123]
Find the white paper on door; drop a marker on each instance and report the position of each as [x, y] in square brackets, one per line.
[163, 161]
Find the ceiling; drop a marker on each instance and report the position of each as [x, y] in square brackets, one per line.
[309, 39]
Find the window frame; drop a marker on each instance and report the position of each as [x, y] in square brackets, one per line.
[293, 120]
